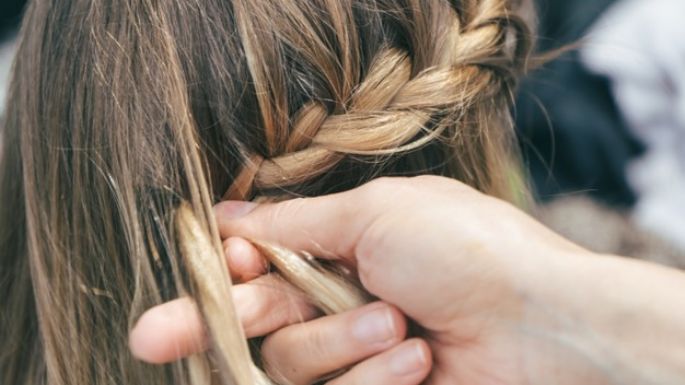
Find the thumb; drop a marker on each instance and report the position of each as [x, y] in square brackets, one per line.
[328, 226]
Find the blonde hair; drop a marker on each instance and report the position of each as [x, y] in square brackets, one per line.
[127, 120]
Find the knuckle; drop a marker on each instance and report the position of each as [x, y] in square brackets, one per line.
[252, 315]
[261, 308]
[429, 179]
[317, 344]
[383, 185]
[441, 184]
[398, 192]
[293, 355]
[274, 353]
[382, 182]
[298, 309]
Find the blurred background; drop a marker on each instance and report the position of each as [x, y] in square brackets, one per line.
[602, 127]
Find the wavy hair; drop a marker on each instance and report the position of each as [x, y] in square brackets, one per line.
[128, 119]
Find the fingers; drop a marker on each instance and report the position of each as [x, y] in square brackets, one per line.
[168, 332]
[268, 303]
[244, 261]
[175, 329]
[329, 226]
[388, 231]
[408, 363]
[323, 226]
[302, 353]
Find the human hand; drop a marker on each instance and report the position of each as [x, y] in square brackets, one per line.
[473, 271]
[299, 349]
[501, 298]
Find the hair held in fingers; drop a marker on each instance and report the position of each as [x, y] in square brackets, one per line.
[127, 121]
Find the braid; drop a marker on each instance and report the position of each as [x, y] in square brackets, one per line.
[124, 122]
[391, 111]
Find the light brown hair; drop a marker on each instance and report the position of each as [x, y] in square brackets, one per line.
[122, 114]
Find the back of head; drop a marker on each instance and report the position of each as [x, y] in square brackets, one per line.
[120, 111]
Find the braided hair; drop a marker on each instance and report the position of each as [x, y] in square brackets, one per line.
[128, 119]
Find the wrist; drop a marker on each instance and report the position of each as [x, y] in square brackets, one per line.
[639, 319]
[558, 321]
[610, 320]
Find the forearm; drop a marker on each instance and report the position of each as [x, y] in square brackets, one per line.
[622, 320]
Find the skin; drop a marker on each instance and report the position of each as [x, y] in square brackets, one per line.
[507, 302]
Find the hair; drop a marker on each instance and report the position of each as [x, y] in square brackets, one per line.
[127, 120]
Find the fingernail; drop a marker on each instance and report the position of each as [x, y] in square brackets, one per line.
[408, 360]
[236, 209]
[376, 326]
